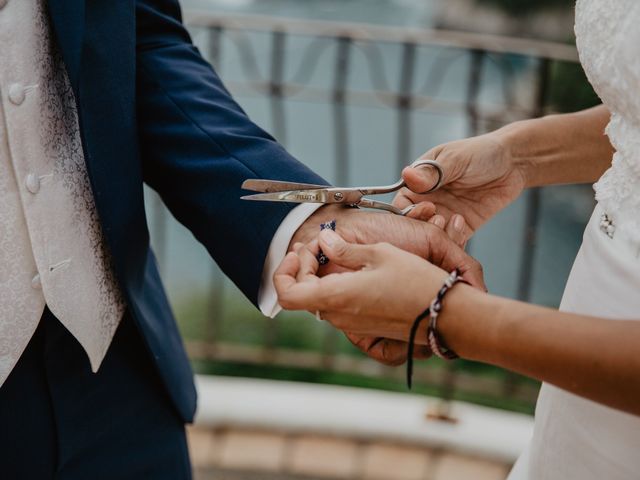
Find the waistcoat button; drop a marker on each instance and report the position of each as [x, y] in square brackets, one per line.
[32, 183]
[16, 93]
[36, 283]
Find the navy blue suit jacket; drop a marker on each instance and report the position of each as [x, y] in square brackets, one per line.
[152, 110]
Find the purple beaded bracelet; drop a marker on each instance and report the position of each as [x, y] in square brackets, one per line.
[435, 341]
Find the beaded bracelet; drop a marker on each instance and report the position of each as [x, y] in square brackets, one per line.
[434, 340]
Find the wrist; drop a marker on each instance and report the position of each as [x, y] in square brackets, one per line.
[463, 323]
[311, 226]
[515, 148]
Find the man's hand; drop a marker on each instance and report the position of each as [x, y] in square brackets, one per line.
[427, 240]
[380, 294]
[421, 238]
[385, 350]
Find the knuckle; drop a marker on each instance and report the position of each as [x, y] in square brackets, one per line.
[333, 298]
[338, 322]
[361, 343]
[378, 251]
[341, 249]
[392, 356]
[394, 362]
[285, 303]
[433, 153]
[477, 265]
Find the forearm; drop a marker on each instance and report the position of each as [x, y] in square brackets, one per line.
[557, 149]
[591, 357]
[198, 146]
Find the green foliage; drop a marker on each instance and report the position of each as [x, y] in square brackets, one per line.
[570, 90]
[524, 7]
[240, 323]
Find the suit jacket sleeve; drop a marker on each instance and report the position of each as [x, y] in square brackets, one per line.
[198, 146]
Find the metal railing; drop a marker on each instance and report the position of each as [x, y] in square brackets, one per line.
[416, 91]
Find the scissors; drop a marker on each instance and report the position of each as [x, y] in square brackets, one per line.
[277, 191]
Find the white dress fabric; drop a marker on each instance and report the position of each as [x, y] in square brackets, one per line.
[574, 438]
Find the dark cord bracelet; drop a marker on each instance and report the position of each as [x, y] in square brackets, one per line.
[434, 340]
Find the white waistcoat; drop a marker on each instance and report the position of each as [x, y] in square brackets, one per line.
[51, 245]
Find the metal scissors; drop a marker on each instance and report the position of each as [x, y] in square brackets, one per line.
[277, 191]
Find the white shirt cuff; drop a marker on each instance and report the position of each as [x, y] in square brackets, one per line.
[267, 296]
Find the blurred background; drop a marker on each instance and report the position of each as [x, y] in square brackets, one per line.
[357, 89]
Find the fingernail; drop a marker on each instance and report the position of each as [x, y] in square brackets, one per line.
[330, 237]
[439, 221]
[458, 223]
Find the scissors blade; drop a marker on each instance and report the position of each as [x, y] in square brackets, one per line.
[270, 186]
[294, 196]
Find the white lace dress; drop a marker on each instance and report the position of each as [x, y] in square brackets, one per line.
[574, 438]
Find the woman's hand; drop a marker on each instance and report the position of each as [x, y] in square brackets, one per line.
[381, 295]
[480, 179]
[423, 239]
[484, 174]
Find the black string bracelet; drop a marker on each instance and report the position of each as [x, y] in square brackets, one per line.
[433, 337]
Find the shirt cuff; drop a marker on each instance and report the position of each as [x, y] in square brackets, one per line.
[267, 296]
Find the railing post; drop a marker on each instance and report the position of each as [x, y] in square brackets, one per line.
[449, 381]
[279, 131]
[532, 216]
[215, 304]
[343, 56]
[215, 46]
[341, 145]
[276, 88]
[473, 90]
[160, 231]
[533, 200]
[215, 307]
[405, 104]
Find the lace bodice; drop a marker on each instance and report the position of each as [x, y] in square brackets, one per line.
[608, 39]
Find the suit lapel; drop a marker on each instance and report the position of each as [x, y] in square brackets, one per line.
[68, 19]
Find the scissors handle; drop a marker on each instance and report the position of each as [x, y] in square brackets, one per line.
[382, 189]
[400, 183]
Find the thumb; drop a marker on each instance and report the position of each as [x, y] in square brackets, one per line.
[420, 178]
[342, 253]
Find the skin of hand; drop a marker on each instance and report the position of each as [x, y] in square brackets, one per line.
[364, 227]
[484, 174]
[480, 180]
[371, 297]
[387, 288]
